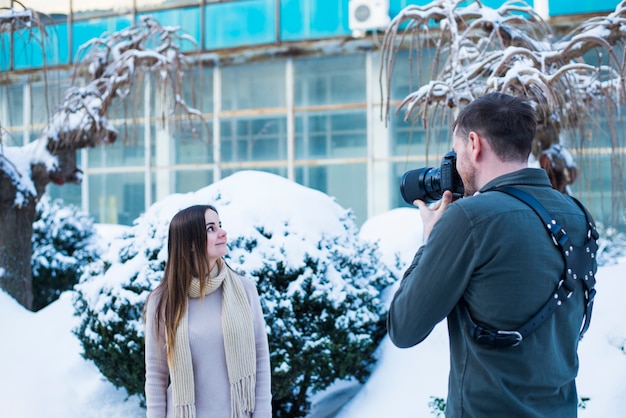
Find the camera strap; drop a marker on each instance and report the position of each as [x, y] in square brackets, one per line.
[579, 265]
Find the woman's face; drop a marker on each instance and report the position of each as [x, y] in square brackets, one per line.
[215, 236]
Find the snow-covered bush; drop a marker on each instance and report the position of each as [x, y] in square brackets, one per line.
[611, 245]
[320, 285]
[62, 247]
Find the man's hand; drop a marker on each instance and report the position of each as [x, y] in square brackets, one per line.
[431, 214]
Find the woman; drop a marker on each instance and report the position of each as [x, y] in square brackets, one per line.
[206, 346]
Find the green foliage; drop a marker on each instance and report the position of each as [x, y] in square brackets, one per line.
[120, 360]
[111, 329]
[325, 319]
[437, 406]
[62, 247]
[582, 402]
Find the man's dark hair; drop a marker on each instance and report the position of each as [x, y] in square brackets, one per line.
[507, 122]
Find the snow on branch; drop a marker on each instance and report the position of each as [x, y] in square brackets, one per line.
[12, 19]
[113, 63]
[511, 50]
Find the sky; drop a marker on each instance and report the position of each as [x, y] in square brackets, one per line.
[44, 375]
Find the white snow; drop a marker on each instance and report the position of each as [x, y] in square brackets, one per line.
[16, 162]
[44, 375]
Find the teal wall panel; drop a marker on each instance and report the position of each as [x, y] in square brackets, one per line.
[240, 23]
[568, 7]
[29, 48]
[5, 51]
[188, 20]
[85, 30]
[313, 19]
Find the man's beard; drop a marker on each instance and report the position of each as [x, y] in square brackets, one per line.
[469, 182]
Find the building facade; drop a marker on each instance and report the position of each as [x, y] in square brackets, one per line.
[286, 86]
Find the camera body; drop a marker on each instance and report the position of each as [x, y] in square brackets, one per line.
[428, 184]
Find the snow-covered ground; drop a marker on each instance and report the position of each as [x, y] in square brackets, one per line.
[44, 375]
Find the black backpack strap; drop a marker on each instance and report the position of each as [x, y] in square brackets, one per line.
[579, 263]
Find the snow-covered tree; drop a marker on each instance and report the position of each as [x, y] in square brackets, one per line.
[106, 71]
[576, 81]
[319, 283]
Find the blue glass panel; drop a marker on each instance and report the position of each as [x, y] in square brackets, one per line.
[254, 139]
[187, 19]
[192, 180]
[331, 135]
[86, 30]
[347, 183]
[70, 194]
[310, 19]
[329, 80]
[128, 150]
[253, 86]
[192, 142]
[568, 7]
[5, 51]
[240, 23]
[28, 50]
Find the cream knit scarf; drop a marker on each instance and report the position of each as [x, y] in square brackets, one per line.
[238, 343]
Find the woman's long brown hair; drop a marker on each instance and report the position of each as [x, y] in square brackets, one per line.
[187, 258]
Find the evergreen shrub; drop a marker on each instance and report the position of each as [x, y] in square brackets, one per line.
[62, 247]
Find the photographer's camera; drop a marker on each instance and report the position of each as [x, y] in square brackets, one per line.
[428, 183]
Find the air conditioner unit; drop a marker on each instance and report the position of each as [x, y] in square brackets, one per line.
[366, 15]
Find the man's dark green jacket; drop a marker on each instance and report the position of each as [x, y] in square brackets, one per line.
[493, 251]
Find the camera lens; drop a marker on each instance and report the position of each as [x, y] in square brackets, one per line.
[423, 184]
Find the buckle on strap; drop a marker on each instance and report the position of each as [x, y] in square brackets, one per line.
[497, 338]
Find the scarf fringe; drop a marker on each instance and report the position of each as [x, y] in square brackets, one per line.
[242, 396]
[186, 411]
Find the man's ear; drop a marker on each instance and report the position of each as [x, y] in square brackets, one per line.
[476, 144]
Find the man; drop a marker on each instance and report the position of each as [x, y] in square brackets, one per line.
[489, 260]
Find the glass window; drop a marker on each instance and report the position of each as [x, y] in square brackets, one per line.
[5, 51]
[192, 180]
[85, 30]
[71, 194]
[253, 86]
[411, 70]
[198, 88]
[12, 106]
[254, 139]
[116, 198]
[187, 19]
[312, 19]
[593, 187]
[329, 80]
[347, 183]
[331, 135]
[411, 139]
[194, 145]
[238, 23]
[31, 49]
[127, 150]
[44, 101]
[566, 7]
